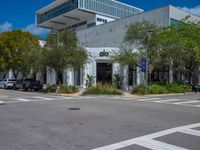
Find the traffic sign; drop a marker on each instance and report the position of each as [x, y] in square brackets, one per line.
[144, 65]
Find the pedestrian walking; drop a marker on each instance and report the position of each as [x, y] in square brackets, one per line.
[58, 83]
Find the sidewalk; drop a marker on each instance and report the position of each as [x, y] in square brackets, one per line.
[1, 93]
[149, 95]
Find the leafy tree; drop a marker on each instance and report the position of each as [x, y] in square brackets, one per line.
[126, 57]
[19, 51]
[62, 51]
[137, 35]
[177, 46]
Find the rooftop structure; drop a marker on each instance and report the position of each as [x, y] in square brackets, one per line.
[82, 13]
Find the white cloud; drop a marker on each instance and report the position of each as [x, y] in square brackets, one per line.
[195, 10]
[6, 26]
[36, 30]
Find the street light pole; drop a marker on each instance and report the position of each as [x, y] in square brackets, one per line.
[146, 55]
[146, 75]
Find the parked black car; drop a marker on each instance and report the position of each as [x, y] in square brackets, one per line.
[195, 88]
[27, 84]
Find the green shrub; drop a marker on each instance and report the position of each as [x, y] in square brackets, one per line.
[162, 89]
[178, 88]
[50, 89]
[103, 90]
[90, 80]
[158, 89]
[139, 90]
[68, 89]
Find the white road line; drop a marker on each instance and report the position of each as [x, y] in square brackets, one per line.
[191, 132]
[149, 99]
[23, 99]
[149, 138]
[2, 102]
[188, 102]
[44, 98]
[157, 145]
[169, 100]
[3, 96]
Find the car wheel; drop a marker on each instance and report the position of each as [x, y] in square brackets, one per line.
[24, 88]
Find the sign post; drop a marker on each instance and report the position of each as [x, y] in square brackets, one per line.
[144, 69]
[144, 64]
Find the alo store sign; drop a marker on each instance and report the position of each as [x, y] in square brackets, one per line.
[104, 54]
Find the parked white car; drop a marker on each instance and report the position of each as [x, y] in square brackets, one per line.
[7, 83]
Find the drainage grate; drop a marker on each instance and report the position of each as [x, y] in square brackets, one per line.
[74, 108]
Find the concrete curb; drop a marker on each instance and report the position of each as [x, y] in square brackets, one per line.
[125, 95]
[155, 95]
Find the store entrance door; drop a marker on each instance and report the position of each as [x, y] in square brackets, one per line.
[104, 72]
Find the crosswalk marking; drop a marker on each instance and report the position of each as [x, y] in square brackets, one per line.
[189, 102]
[157, 145]
[44, 98]
[191, 132]
[148, 99]
[148, 141]
[23, 99]
[170, 100]
[2, 102]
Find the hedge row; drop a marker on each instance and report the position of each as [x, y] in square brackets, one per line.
[162, 89]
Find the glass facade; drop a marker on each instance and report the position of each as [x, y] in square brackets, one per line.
[107, 7]
[57, 11]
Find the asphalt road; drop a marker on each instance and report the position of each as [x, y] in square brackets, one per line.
[34, 121]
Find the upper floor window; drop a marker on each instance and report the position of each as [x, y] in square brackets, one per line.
[101, 20]
[91, 24]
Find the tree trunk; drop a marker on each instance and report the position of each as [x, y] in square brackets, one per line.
[171, 80]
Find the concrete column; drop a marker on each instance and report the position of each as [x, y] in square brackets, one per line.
[138, 82]
[115, 70]
[10, 74]
[51, 76]
[39, 77]
[69, 76]
[94, 66]
[125, 77]
[65, 77]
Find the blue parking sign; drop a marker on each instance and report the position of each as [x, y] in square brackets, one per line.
[144, 65]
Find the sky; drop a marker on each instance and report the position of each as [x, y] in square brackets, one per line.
[20, 14]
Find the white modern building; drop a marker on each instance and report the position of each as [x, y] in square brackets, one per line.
[100, 26]
[82, 14]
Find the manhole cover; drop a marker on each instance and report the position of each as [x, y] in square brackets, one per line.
[74, 108]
